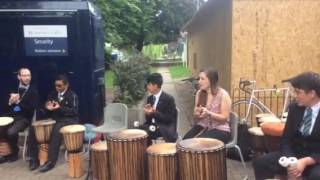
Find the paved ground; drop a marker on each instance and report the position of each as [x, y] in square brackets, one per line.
[184, 100]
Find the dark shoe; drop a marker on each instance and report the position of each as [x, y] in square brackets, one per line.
[33, 164]
[13, 158]
[47, 166]
[3, 159]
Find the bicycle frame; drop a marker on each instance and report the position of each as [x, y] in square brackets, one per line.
[276, 90]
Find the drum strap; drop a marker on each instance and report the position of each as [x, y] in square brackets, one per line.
[202, 131]
[22, 91]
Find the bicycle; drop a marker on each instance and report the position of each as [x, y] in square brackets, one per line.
[247, 107]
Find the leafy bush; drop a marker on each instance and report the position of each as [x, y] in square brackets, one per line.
[107, 57]
[130, 78]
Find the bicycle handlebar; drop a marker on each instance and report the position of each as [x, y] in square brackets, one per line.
[191, 79]
[244, 83]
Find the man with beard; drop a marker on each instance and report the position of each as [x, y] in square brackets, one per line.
[21, 105]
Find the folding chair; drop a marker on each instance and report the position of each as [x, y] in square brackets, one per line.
[234, 120]
[115, 118]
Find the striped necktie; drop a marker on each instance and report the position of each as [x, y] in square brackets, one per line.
[307, 120]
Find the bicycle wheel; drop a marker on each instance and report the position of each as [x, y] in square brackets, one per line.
[241, 107]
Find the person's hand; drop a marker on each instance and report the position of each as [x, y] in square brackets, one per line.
[56, 105]
[205, 112]
[50, 105]
[197, 111]
[14, 98]
[148, 109]
[297, 169]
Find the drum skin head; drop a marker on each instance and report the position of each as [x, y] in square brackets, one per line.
[72, 128]
[261, 115]
[269, 119]
[201, 144]
[162, 149]
[128, 134]
[5, 121]
[99, 146]
[43, 122]
[257, 131]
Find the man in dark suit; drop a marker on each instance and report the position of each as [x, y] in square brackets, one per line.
[61, 106]
[301, 138]
[160, 112]
[21, 105]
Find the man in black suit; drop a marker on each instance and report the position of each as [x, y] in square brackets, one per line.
[160, 112]
[301, 138]
[61, 106]
[21, 105]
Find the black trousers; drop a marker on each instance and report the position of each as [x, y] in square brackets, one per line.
[200, 131]
[12, 133]
[54, 144]
[267, 166]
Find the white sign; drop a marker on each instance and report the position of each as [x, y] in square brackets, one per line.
[52, 31]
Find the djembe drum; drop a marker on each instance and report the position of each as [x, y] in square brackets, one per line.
[4, 125]
[262, 115]
[257, 140]
[43, 130]
[162, 161]
[127, 154]
[201, 158]
[269, 119]
[100, 161]
[272, 133]
[73, 139]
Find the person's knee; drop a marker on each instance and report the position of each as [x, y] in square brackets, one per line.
[258, 163]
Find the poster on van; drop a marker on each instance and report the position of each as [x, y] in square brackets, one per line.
[46, 40]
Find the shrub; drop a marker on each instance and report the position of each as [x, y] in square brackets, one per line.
[130, 79]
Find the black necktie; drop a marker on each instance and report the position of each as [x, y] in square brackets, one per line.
[21, 90]
[153, 100]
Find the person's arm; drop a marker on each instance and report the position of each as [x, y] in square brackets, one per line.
[197, 109]
[169, 112]
[147, 111]
[30, 102]
[225, 109]
[71, 107]
[289, 132]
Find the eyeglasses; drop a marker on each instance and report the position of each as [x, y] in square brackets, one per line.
[59, 85]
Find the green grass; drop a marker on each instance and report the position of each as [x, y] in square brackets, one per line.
[109, 79]
[179, 72]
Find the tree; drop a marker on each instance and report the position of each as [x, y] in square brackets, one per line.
[133, 23]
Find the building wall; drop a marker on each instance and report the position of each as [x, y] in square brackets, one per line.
[209, 41]
[275, 39]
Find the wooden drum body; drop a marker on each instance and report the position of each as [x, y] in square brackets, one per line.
[272, 133]
[73, 136]
[5, 122]
[127, 154]
[100, 161]
[202, 158]
[257, 140]
[162, 161]
[43, 130]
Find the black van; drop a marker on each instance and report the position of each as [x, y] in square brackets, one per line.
[51, 38]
